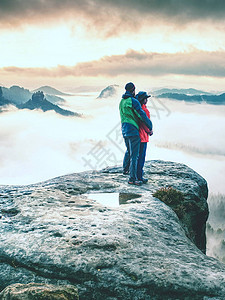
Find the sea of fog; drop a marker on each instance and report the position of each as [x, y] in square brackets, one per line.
[36, 146]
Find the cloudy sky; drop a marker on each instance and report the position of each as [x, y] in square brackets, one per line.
[69, 43]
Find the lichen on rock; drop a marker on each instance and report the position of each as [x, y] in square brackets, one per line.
[39, 291]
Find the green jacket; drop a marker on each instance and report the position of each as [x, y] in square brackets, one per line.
[127, 113]
[130, 114]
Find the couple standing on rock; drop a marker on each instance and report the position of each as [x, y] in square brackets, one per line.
[136, 128]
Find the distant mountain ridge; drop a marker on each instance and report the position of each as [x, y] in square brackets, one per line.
[37, 101]
[189, 91]
[19, 95]
[50, 90]
[187, 95]
[16, 94]
[209, 99]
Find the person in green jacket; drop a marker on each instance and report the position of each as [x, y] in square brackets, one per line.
[130, 114]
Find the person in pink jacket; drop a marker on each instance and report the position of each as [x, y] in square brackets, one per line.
[144, 133]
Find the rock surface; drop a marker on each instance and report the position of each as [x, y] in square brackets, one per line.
[38, 291]
[53, 232]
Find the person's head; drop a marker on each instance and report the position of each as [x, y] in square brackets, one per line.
[142, 97]
[130, 87]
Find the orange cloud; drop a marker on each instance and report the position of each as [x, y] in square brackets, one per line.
[198, 63]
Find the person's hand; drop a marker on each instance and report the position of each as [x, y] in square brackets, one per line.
[151, 133]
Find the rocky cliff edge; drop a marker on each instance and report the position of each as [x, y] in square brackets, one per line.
[55, 232]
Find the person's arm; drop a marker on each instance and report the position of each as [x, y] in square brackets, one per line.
[143, 124]
[146, 129]
[141, 114]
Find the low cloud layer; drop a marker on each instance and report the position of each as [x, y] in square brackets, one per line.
[198, 63]
[116, 15]
[36, 146]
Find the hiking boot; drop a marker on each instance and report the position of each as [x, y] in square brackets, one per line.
[144, 180]
[125, 172]
[135, 182]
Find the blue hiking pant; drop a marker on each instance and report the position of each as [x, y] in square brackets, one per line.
[130, 160]
[141, 160]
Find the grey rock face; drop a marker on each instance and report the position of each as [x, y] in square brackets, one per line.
[195, 190]
[38, 291]
[53, 232]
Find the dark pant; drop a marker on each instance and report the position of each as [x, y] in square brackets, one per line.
[141, 160]
[131, 155]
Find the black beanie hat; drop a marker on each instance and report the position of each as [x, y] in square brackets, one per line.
[130, 87]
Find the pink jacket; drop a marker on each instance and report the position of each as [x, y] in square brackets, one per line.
[143, 129]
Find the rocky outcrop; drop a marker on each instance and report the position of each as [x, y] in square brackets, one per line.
[3, 101]
[55, 232]
[18, 95]
[39, 101]
[38, 291]
[109, 91]
[195, 190]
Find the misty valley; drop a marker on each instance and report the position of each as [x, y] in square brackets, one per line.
[44, 135]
